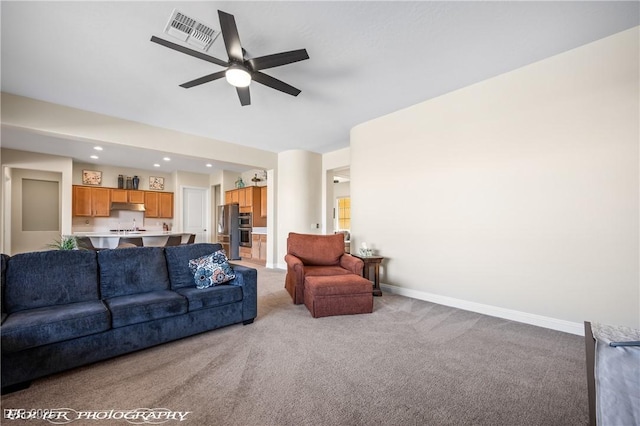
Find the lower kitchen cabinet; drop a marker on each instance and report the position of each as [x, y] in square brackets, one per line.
[259, 248]
[245, 253]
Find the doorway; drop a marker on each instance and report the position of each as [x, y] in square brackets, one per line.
[195, 213]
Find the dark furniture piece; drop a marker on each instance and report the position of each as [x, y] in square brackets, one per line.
[192, 239]
[590, 346]
[369, 262]
[84, 243]
[136, 241]
[67, 308]
[173, 240]
[310, 254]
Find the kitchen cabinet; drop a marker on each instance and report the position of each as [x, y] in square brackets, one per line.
[245, 253]
[90, 201]
[249, 200]
[127, 196]
[158, 204]
[259, 248]
[232, 197]
[263, 202]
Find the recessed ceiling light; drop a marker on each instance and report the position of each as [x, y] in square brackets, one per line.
[95, 157]
[156, 165]
[167, 159]
[97, 148]
[209, 165]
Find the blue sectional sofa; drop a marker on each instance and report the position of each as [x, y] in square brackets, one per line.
[64, 309]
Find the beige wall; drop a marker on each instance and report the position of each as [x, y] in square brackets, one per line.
[31, 165]
[517, 195]
[299, 189]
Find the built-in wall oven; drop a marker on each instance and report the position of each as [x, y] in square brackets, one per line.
[245, 226]
[245, 220]
[245, 237]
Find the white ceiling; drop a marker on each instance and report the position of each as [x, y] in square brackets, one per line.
[367, 59]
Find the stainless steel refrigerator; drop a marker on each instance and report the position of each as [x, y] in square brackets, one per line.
[228, 232]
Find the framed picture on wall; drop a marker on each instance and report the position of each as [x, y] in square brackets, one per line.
[91, 177]
[156, 183]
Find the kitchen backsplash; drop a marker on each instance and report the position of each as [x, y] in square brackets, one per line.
[122, 219]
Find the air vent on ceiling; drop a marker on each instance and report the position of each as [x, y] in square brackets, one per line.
[190, 30]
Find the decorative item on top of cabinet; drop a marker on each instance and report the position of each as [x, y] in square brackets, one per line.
[91, 201]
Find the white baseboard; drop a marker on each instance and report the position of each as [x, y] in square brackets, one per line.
[494, 311]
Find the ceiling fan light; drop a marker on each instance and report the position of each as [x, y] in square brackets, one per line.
[238, 76]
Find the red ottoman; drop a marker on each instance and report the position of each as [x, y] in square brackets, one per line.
[338, 295]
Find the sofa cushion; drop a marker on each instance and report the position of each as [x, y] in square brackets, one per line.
[316, 249]
[132, 271]
[54, 277]
[135, 308]
[211, 269]
[178, 258]
[36, 327]
[211, 297]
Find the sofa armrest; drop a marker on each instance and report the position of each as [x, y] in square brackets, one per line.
[352, 264]
[247, 278]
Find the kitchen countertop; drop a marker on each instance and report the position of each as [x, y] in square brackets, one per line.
[107, 234]
[106, 239]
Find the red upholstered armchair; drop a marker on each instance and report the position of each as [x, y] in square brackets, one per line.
[309, 254]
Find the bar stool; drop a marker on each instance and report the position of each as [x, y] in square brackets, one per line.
[173, 240]
[136, 241]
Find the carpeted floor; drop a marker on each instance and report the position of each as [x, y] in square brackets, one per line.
[409, 363]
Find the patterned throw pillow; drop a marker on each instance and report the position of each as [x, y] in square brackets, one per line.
[212, 269]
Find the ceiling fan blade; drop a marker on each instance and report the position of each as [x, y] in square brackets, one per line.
[244, 95]
[230, 36]
[189, 52]
[205, 79]
[274, 83]
[278, 59]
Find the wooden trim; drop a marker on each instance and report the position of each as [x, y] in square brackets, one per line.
[590, 346]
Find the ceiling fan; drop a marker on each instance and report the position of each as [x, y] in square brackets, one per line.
[239, 70]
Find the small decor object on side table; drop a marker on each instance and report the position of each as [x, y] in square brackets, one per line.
[367, 256]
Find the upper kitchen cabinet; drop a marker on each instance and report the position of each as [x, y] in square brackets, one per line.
[127, 196]
[263, 202]
[158, 204]
[232, 197]
[91, 201]
[249, 200]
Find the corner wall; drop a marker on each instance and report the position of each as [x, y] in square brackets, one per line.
[517, 195]
[298, 197]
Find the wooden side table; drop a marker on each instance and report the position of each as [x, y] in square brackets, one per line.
[370, 261]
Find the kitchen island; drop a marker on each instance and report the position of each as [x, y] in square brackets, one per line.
[149, 238]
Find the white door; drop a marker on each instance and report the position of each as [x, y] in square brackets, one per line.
[195, 213]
